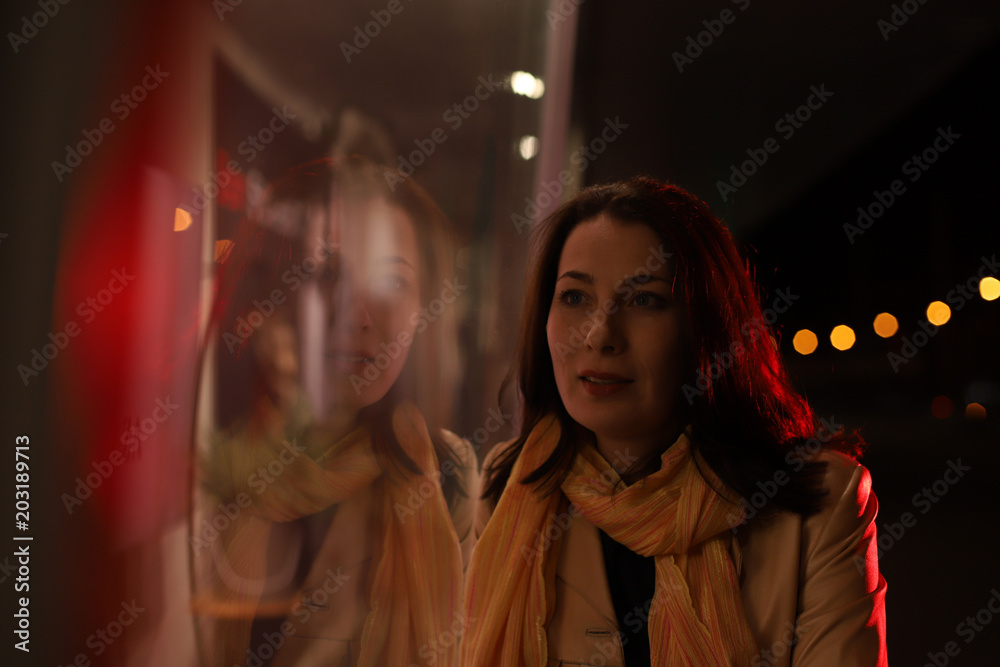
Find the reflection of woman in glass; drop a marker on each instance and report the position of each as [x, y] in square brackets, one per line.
[353, 506]
[671, 500]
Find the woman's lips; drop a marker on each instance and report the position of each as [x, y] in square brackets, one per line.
[601, 384]
[354, 361]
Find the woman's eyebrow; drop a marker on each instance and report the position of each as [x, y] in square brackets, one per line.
[578, 275]
[396, 259]
[643, 279]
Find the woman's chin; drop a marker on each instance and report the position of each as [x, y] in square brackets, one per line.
[606, 421]
[346, 400]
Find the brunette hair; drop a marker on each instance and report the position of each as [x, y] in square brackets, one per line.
[273, 238]
[748, 419]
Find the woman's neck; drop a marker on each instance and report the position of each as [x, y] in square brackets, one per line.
[636, 458]
[337, 424]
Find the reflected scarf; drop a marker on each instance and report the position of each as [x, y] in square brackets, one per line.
[696, 617]
[416, 585]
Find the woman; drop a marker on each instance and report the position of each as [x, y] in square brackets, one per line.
[629, 523]
[353, 507]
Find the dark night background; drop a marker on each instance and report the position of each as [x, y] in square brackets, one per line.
[890, 97]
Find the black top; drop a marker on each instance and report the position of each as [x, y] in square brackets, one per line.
[632, 580]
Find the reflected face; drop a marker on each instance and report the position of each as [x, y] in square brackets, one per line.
[370, 290]
[276, 350]
[615, 330]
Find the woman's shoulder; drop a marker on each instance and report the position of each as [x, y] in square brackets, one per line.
[850, 505]
[848, 508]
[841, 593]
[848, 483]
[822, 570]
[841, 530]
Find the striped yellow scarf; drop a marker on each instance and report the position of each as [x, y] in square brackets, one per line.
[696, 618]
[416, 584]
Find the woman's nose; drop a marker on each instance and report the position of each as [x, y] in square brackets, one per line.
[604, 335]
[352, 308]
[360, 312]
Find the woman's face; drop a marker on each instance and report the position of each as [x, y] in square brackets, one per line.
[615, 330]
[370, 289]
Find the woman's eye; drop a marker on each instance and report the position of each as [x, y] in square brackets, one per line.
[572, 297]
[648, 300]
[391, 284]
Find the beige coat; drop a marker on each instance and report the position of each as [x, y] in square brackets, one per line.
[811, 589]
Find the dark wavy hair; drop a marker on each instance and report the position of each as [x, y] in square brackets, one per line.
[266, 246]
[747, 420]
